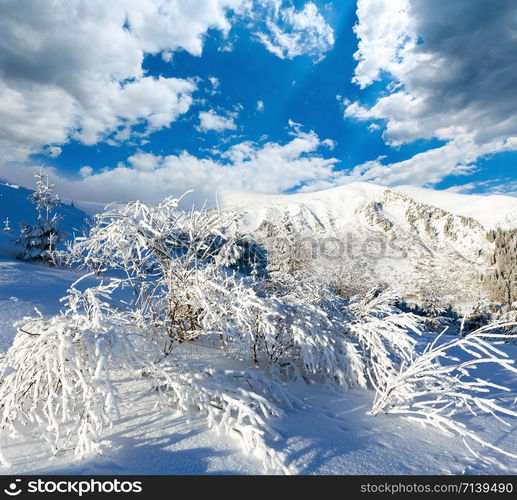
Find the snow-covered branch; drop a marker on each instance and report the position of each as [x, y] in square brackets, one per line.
[434, 387]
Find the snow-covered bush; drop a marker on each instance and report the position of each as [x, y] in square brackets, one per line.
[321, 337]
[58, 371]
[60, 374]
[434, 386]
[177, 266]
[240, 404]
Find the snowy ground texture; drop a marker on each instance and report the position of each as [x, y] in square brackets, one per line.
[334, 434]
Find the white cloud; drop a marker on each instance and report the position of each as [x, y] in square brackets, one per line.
[171, 24]
[382, 30]
[457, 157]
[73, 68]
[453, 76]
[266, 168]
[507, 187]
[85, 171]
[214, 81]
[145, 162]
[33, 116]
[467, 188]
[227, 47]
[210, 120]
[167, 56]
[500, 186]
[429, 167]
[291, 32]
[214, 86]
[53, 151]
[156, 101]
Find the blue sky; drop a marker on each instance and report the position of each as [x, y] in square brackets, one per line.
[300, 89]
[258, 96]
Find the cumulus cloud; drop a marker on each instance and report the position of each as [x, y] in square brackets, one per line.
[267, 168]
[53, 151]
[85, 171]
[144, 162]
[214, 82]
[452, 72]
[73, 68]
[382, 31]
[429, 167]
[290, 32]
[210, 120]
[32, 116]
[70, 68]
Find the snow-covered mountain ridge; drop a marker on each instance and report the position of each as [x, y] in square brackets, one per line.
[412, 239]
[400, 237]
[490, 211]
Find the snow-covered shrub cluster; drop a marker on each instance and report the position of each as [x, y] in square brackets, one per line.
[171, 277]
[57, 371]
[60, 373]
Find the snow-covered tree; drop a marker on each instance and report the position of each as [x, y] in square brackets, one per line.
[501, 281]
[433, 309]
[39, 241]
[7, 224]
[289, 254]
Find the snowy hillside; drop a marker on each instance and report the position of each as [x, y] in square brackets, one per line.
[491, 211]
[386, 236]
[16, 206]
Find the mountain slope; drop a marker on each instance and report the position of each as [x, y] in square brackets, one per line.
[420, 242]
[16, 206]
[376, 236]
[491, 211]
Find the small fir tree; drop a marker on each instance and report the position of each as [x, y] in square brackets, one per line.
[434, 310]
[39, 241]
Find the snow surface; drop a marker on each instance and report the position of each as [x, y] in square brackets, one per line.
[334, 434]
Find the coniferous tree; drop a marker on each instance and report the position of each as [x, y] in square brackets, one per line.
[38, 241]
[502, 279]
[433, 309]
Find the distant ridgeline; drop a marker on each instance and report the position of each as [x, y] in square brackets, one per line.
[501, 279]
